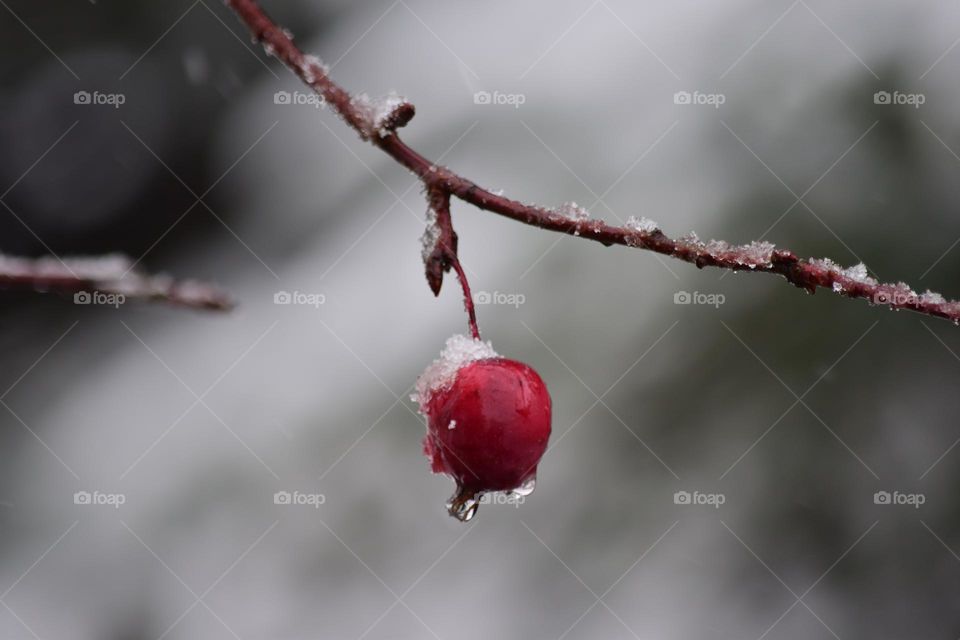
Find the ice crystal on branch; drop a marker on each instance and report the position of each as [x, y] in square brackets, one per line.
[431, 235]
[382, 116]
[643, 225]
[310, 66]
[573, 211]
[858, 273]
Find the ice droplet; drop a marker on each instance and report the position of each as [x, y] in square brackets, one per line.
[463, 504]
[526, 488]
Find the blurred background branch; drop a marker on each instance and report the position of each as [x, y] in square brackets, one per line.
[112, 275]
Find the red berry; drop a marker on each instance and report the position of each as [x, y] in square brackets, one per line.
[488, 422]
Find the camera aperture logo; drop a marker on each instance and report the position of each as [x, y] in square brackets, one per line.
[498, 297]
[99, 298]
[299, 499]
[299, 98]
[498, 98]
[299, 298]
[99, 498]
[699, 98]
[914, 500]
[696, 498]
[898, 98]
[96, 98]
[897, 296]
[711, 299]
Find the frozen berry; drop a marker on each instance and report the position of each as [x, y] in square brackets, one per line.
[488, 422]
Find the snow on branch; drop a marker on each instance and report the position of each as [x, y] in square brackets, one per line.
[377, 122]
[114, 275]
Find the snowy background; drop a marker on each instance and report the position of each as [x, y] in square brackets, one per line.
[793, 410]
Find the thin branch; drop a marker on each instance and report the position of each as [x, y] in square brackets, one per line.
[377, 122]
[106, 280]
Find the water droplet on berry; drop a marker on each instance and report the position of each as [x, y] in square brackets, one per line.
[526, 488]
[463, 504]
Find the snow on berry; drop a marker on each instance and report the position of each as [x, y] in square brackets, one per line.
[459, 351]
[488, 422]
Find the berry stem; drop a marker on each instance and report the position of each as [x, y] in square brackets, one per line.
[440, 252]
[467, 298]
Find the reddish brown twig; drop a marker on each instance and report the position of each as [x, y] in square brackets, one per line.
[110, 280]
[440, 252]
[377, 122]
